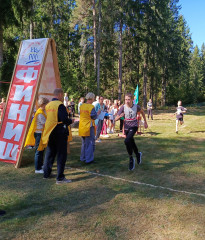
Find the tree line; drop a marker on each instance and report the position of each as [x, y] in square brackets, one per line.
[109, 47]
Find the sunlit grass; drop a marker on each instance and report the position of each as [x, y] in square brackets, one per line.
[94, 207]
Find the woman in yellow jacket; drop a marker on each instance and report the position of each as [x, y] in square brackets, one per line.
[87, 129]
[35, 133]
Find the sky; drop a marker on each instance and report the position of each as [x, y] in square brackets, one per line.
[194, 14]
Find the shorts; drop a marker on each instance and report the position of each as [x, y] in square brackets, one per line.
[179, 118]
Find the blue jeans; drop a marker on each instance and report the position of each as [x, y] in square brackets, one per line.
[38, 154]
[99, 128]
[88, 147]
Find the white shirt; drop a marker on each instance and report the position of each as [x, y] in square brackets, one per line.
[65, 101]
[40, 123]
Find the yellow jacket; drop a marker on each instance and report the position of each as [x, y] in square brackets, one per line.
[30, 139]
[52, 121]
[85, 119]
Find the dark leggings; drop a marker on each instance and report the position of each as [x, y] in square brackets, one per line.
[121, 124]
[130, 142]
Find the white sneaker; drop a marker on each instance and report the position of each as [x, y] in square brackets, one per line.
[106, 136]
[39, 171]
[98, 140]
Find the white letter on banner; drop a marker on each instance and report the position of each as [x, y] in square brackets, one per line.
[20, 93]
[14, 110]
[10, 131]
[11, 151]
[27, 75]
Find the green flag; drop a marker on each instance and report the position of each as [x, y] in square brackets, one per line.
[136, 94]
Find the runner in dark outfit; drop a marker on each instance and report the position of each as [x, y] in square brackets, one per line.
[129, 111]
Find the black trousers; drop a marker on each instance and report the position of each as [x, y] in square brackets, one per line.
[130, 142]
[57, 146]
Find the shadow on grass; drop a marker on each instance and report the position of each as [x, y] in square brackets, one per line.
[197, 132]
[42, 198]
[165, 160]
[168, 162]
[152, 133]
[85, 196]
[82, 178]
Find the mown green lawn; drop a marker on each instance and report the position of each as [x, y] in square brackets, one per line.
[99, 207]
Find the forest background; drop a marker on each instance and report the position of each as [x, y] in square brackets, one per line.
[109, 47]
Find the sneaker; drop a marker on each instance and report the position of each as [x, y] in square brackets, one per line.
[65, 180]
[132, 164]
[139, 158]
[39, 171]
[29, 147]
[98, 140]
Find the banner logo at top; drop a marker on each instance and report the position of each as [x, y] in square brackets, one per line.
[32, 52]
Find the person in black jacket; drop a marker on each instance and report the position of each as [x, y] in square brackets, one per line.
[58, 136]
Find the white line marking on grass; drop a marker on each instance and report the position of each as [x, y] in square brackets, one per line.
[140, 183]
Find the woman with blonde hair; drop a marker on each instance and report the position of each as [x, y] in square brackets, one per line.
[87, 129]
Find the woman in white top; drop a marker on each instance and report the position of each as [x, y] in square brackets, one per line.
[149, 109]
[66, 100]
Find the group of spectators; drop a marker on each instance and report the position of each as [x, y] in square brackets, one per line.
[106, 123]
[50, 128]
[93, 120]
[70, 105]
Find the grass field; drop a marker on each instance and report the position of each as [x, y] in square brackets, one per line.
[124, 207]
